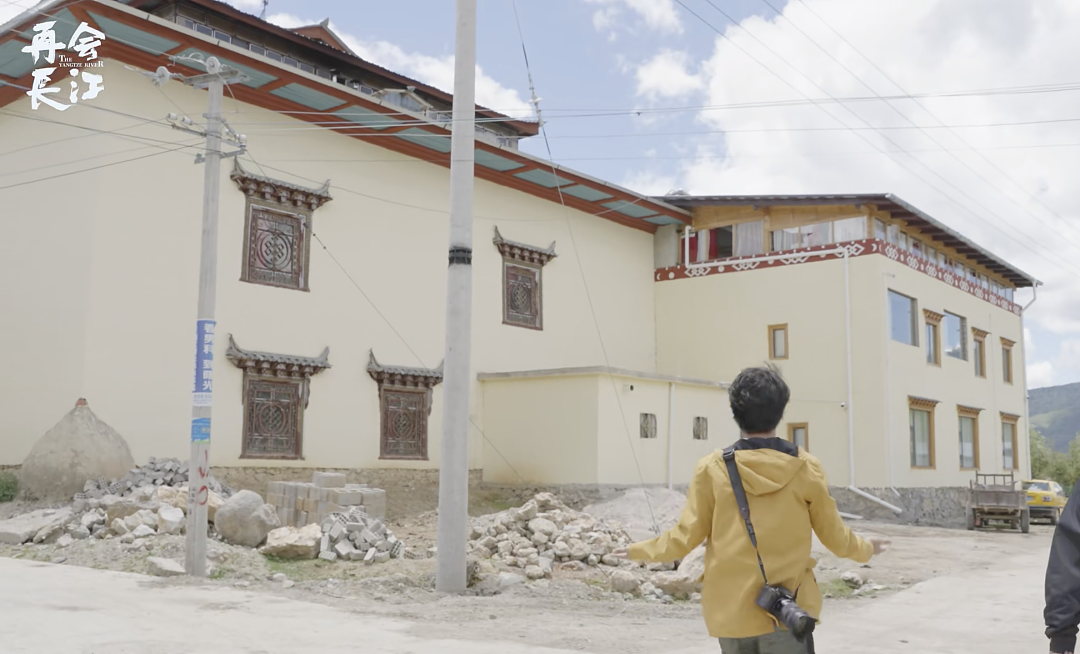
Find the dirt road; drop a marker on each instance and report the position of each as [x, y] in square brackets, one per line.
[976, 603]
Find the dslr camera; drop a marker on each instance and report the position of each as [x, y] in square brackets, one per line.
[780, 603]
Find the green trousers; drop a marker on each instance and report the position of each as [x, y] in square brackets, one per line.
[778, 642]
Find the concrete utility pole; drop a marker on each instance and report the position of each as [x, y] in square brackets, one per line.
[203, 390]
[454, 454]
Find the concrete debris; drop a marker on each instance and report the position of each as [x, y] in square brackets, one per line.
[623, 581]
[64, 541]
[545, 531]
[80, 533]
[143, 531]
[246, 520]
[164, 567]
[23, 528]
[288, 583]
[170, 520]
[354, 535]
[852, 579]
[294, 543]
[118, 527]
[157, 473]
[298, 504]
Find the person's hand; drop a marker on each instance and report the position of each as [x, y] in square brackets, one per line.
[882, 545]
[624, 553]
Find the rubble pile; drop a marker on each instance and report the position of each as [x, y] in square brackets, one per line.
[168, 472]
[299, 504]
[544, 532]
[356, 536]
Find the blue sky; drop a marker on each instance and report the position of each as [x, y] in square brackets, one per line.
[1003, 173]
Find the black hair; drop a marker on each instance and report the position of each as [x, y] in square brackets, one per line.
[758, 397]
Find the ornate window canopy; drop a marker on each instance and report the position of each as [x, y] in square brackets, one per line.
[267, 364]
[403, 377]
[1006, 342]
[284, 193]
[933, 317]
[979, 333]
[970, 411]
[522, 252]
[922, 402]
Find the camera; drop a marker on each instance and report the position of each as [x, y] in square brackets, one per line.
[780, 603]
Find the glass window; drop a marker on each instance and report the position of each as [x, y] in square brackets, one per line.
[955, 336]
[979, 353]
[797, 434]
[903, 241]
[289, 61]
[817, 234]
[902, 318]
[1036, 486]
[969, 449]
[932, 255]
[273, 55]
[778, 342]
[1009, 294]
[222, 36]
[720, 243]
[879, 229]
[933, 353]
[307, 68]
[1008, 444]
[749, 238]
[849, 229]
[922, 439]
[785, 239]
[917, 249]
[1006, 364]
[893, 234]
[203, 29]
[257, 49]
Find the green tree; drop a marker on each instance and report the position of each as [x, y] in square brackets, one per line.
[1042, 456]
[1046, 463]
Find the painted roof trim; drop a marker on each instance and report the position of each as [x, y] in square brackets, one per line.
[1018, 277]
[245, 359]
[599, 370]
[402, 375]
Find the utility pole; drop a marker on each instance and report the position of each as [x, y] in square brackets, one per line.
[454, 469]
[203, 390]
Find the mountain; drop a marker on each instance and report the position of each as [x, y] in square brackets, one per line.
[1055, 412]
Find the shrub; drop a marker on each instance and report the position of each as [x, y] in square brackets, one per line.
[9, 486]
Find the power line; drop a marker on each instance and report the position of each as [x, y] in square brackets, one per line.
[1063, 264]
[581, 269]
[926, 109]
[86, 170]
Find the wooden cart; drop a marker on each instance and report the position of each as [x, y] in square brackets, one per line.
[994, 498]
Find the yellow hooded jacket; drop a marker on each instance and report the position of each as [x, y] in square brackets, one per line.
[788, 495]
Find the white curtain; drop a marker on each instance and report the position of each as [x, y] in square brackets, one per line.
[785, 239]
[817, 234]
[749, 239]
[851, 229]
[967, 442]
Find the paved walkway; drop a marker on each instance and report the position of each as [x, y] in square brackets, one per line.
[60, 609]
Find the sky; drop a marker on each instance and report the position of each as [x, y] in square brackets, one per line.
[968, 109]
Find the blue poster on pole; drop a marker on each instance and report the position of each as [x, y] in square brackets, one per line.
[200, 429]
[203, 391]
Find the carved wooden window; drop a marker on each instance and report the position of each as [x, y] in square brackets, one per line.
[276, 392]
[273, 420]
[404, 406]
[277, 248]
[523, 304]
[404, 424]
[648, 425]
[277, 229]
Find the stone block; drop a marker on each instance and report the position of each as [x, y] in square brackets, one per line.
[328, 479]
[374, 501]
[369, 557]
[357, 555]
[290, 493]
[164, 567]
[346, 497]
[328, 556]
[322, 494]
[397, 549]
[344, 550]
[369, 537]
[337, 531]
[383, 546]
[275, 488]
[355, 526]
[293, 543]
[301, 518]
[381, 557]
[324, 544]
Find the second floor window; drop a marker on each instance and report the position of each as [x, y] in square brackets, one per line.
[902, 318]
[955, 336]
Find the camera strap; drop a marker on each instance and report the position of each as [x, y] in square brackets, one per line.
[740, 499]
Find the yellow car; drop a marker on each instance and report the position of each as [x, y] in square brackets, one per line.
[1045, 499]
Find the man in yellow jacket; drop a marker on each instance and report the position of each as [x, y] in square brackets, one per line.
[787, 495]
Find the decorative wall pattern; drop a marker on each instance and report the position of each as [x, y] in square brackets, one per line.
[828, 253]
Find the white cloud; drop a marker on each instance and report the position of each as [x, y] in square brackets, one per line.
[1029, 343]
[649, 183]
[927, 47]
[667, 76]
[659, 15]
[1040, 375]
[436, 71]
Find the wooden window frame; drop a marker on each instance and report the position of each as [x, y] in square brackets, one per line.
[930, 407]
[791, 433]
[973, 414]
[914, 317]
[701, 434]
[1008, 373]
[400, 380]
[647, 429]
[772, 342]
[522, 259]
[1014, 420]
[933, 319]
[979, 356]
[283, 200]
[265, 368]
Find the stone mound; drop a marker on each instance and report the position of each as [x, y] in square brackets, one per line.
[78, 448]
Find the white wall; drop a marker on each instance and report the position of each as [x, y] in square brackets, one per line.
[108, 308]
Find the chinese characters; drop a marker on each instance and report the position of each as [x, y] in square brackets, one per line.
[84, 42]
